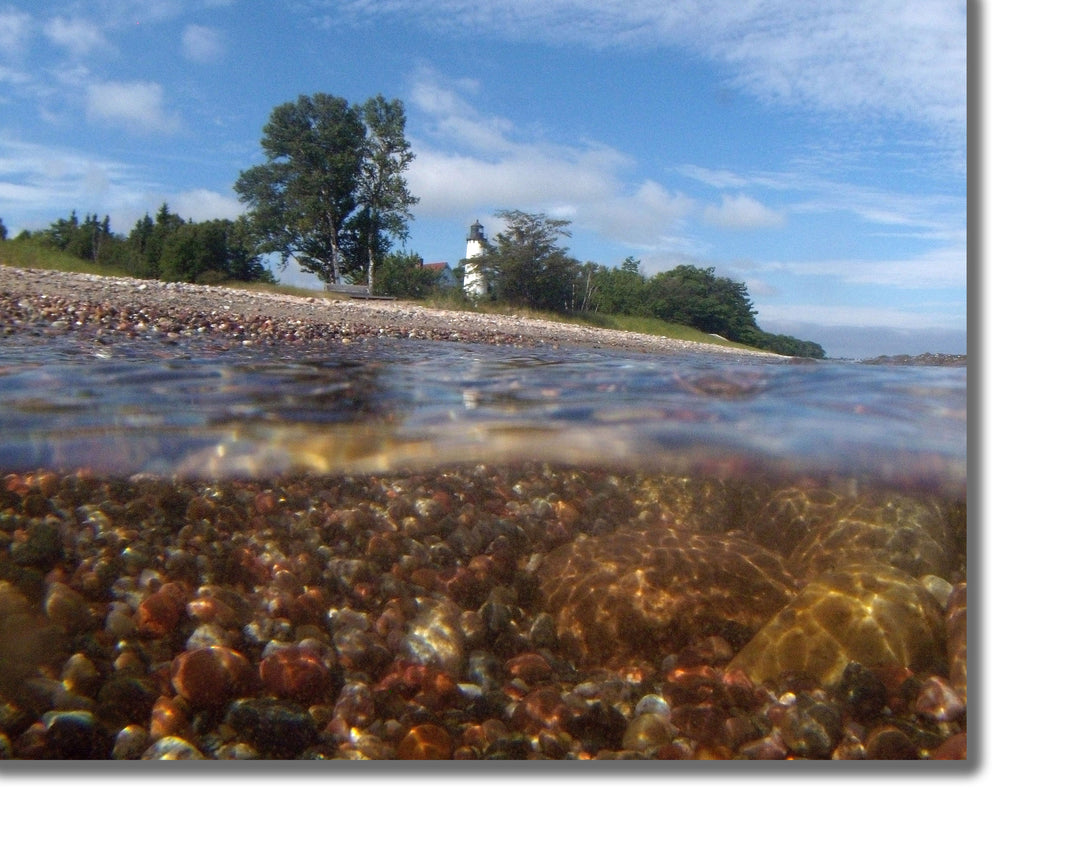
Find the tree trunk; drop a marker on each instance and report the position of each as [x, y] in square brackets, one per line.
[335, 270]
[372, 239]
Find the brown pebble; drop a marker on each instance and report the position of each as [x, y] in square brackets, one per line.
[543, 708]
[425, 743]
[938, 701]
[168, 719]
[530, 667]
[67, 609]
[212, 676]
[295, 673]
[953, 749]
[888, 743]
[160, 612]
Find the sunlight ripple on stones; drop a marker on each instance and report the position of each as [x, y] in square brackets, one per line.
[874, 615]
[650, 592]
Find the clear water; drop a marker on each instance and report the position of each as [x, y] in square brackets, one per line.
[196, 410]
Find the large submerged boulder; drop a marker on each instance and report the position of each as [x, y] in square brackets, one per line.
[874, 615]
[645, 593]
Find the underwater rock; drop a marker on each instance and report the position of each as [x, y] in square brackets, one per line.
[956, 639]
[792, 514]
[895, 530]
[212, 676]
[648, 593]
[874, 615]
[277, 728]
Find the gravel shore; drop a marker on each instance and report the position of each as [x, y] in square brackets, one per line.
[99, 299]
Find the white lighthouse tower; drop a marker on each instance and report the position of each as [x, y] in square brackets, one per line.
[475, 244]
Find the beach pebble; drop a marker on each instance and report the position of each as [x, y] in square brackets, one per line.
[425, 742]
[172, 749]
[212, 676]
[131, 742]
[274, 727]
[296, 673]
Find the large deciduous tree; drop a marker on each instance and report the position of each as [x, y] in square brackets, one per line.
[382, 191]
[524, 264]
[333, 186]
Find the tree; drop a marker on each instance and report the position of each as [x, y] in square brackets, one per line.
[525, 266]
[210, 251]
[383, 191]
[332, 189]
[146, 241]
[698, 298]
[3, 230]
[403, 275]
[303, 198]
[91, 239]
[137, 259]
[620, 291]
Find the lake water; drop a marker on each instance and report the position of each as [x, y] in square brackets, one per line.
[387, 512]
[380, 404]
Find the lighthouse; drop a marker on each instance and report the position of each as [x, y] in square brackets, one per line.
[475, 286]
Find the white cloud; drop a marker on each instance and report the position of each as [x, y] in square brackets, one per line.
[944, 268]
[202, 44]
[932, 216]
[477, 161]
[14, 31]
[37, 180]
[482, 162]
[137, 105]
[206, 205]
[836, 315]
[905, 58]
[79, 36]
[742, 212]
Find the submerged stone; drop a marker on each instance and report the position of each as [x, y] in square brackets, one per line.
[956, 639]
[873, 615]
[648, 593]
[906, 533]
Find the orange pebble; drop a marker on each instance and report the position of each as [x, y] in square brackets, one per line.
[425, 743]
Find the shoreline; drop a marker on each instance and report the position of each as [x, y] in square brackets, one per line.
[124, 303]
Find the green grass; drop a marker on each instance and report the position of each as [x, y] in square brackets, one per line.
[22, 253]
[25, 253]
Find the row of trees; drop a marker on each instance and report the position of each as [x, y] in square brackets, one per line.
[525, 265]
[165, 247]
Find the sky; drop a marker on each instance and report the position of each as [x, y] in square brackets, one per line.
[816, 151]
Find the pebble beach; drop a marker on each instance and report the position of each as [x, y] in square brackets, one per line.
[65, 300]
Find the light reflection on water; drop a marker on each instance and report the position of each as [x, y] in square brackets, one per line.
[193, 408]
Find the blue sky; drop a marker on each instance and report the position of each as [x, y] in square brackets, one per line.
[814, 150]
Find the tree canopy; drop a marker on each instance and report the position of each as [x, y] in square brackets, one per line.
[525, 265]
[333, 187]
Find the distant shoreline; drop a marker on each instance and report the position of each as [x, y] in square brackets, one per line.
[250, 311]
[255, 314]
